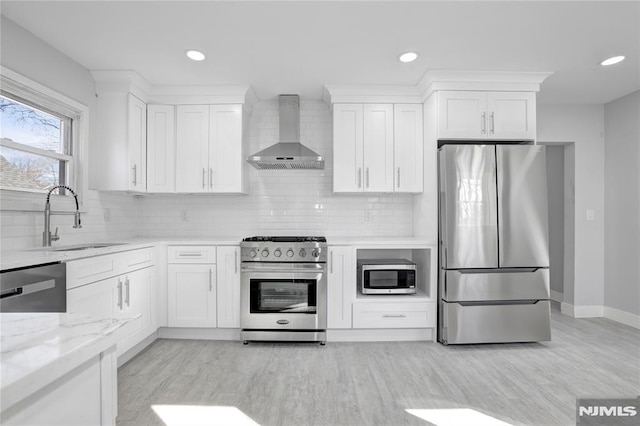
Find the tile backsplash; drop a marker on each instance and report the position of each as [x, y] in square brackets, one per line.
[280, 202]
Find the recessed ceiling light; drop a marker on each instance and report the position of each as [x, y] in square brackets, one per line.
[612, 60]
[195, 55]
[408, 57]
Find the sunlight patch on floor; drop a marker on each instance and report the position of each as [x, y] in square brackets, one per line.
[200, 415]
[456, 417]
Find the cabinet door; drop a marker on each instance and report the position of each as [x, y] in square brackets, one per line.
[408, 148]
[192, 148]
[462, 115]
[161, 148]
[341, 287]
[348, 172]
[137, 299]
[226, 161]
[228, 272]
[378, 147]
[511, 115]
[191, 295]
[137, 140]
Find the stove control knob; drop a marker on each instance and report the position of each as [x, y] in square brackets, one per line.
[253, 253]
[277, 252]
[302, 253]
[315, 253]
[265, 253]
[290, 253]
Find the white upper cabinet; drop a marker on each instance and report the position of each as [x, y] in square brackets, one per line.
[210, 148]
[192, 148]
[161, 148]
[378, 148]
[118, 158]
[486, 115]
[347, 147]
[408, 148]
[137, 128]
[372, 147]
[227, 157]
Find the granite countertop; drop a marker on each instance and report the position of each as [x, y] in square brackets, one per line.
[38, 348]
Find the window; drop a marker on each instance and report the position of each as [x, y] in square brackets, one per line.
[35, 148]
[42, 135]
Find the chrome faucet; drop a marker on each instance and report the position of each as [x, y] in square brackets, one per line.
[46, 235]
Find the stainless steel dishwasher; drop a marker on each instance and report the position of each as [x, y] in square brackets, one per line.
[39, 288]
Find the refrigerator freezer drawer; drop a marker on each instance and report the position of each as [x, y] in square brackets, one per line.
[495, 323]
[484, 286]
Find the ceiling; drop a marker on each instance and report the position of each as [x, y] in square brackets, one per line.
[299, 46]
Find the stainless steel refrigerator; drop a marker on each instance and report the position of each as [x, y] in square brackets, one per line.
[494, 251]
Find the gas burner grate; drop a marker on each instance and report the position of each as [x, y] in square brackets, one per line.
[286, 239]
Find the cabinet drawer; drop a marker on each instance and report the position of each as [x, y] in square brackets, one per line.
[191, 254]
[84, 271]
[138, 259]
[394, 315]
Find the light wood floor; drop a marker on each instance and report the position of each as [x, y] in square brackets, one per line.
[374, 383]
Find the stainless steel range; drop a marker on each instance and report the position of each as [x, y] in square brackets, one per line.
[283, 289]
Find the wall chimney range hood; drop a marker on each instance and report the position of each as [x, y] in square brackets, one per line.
[289, 153]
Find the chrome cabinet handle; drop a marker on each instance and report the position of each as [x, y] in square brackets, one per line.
[367, 177]
[127, 298]
[483, 122]
[492, 127]
[210, 178]
[398, 177]
[190, 254]
[235, 260]
[394, 316]
[359, 177]
[210, 279]
[331, 261]
[119, 294]
[135, 174]
[204, 172]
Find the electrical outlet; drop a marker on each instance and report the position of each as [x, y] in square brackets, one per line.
[184, 215]
[367, 215]
[591, 214]
[107, 215]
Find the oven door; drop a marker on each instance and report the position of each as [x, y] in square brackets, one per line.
[283, 297]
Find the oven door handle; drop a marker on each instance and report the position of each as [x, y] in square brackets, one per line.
[270, 267]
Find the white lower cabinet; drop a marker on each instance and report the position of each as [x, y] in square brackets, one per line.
[228, 272]
[128, 291]
[191, 286]
[340, 286]
[394, 315]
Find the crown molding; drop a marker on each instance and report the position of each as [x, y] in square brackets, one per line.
[512, 81]
[371, 94]
[113, 81]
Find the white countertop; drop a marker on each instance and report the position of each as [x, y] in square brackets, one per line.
[40, 255]
[38, 348]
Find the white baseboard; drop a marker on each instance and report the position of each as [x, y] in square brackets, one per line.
[199, 333]
[623, 317]
[626, 318]
[556, 296]
[381, 335]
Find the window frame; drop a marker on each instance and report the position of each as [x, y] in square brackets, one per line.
[51, 101]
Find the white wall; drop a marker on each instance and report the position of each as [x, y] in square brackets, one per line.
[294, 202]
[622, 197]
[584, 125]
[26, 54]
[556, 197]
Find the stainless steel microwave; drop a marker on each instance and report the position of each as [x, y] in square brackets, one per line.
[386, 276]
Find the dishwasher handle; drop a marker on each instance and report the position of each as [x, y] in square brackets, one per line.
[28, 289]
